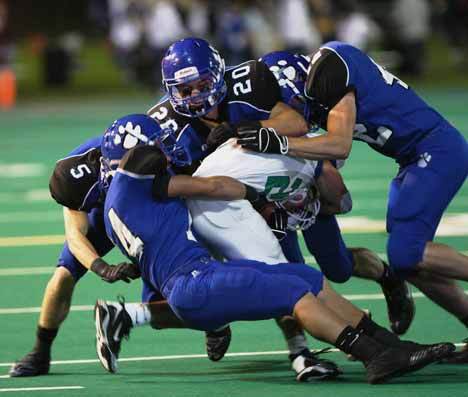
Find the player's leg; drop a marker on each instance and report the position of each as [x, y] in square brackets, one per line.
[253, 291]
[291, 248]
[338, 263]
[57, 299]
[237, 231]
[418, 197]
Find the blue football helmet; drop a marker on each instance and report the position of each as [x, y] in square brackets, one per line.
[122, 135]
[291, 72]
[173, 149]
[193, 77]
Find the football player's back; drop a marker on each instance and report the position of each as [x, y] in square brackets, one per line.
[147, 231]
[390, 116]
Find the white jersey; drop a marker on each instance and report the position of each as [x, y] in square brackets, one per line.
[234, 228]
[278, 177]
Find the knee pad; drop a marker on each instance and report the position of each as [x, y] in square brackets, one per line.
[404, 252]
[338, 268]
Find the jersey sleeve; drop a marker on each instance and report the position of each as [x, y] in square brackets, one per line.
[267, 89]
[75, 181]
[252, 83]
[327, 78]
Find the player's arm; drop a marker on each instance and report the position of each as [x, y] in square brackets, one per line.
[285, 121]
[76, 228]
[214, 187]
[72, 185]
[334, 196]
[265, 95]
[327, 82]
[337, 142]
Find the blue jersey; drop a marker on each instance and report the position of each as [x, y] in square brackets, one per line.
[154, 234]
[390, 117]
[252, 92]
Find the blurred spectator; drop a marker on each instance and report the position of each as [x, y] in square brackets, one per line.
[232, 32]
[163, 26]
[5, 39]
[455, 17]
[198, 17]
[296, 27]
[126, 33]
[354, 26]
[410, 20]
[264, 37]
[7, 76]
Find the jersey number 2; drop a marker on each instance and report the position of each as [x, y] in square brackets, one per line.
[241, 87]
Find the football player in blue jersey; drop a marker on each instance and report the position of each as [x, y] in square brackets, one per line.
[323, 237]
[352, 97]
[76, 185]
[151, 225]
[202, 94]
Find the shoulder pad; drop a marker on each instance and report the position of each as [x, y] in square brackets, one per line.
[74, 182]
[253, 83]
[167, 117]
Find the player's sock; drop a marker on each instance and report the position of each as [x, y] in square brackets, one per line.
[139, 313]
[296, 345]
[44, 340]
[357, 343]
[375, 331]
[388, 276]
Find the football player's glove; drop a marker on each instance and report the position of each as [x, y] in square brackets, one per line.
[264, 140]
[225, 131]
[277, 219]
[122, 272]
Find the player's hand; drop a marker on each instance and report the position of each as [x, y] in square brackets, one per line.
[264, 140]
[278, 222]
[122, 272]
[221, 133]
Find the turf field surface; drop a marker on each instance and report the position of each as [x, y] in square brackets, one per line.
[172, 362]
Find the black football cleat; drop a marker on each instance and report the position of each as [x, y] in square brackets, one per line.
[113, 323]
[309, 367]
[217, 343]
[32, 364]
[395, 362]
[460, 357]
[400, 304]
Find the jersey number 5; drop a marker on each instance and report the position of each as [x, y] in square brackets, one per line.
[79, 171]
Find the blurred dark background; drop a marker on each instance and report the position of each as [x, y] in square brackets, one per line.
[97, 47]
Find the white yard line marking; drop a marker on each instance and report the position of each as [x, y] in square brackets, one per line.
[26, 241]
[45, 388]
[180, 357]
[31, 216]
[25, 310]
[22, 170]
[26, 271]
[87, 308]
[451, 225]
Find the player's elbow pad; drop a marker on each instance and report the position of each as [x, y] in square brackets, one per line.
[346, 203]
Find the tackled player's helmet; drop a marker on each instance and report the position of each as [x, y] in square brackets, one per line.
[122, 135]
[189, 65]
[291, 72]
